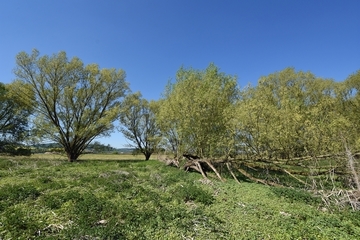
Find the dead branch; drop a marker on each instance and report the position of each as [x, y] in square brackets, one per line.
[213, 168]
[243, 172]
[231, 172]
[200, 169]
[168, 161]
[295, 177]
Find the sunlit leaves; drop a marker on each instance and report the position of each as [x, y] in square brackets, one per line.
[197, 111]
[291, 114]
[74, 103]
[14, 115]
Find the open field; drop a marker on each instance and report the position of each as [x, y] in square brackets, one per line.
[49, 198]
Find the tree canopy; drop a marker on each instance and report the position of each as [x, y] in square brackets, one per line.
[74, 103]
[196, 113]
[14, 115]
[288, 114]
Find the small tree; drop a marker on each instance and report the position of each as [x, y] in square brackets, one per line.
[73, 103]
[138, 124]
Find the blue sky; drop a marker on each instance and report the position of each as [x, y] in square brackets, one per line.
[152, 39]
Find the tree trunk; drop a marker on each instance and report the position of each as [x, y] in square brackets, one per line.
[147, 156]
[72, 156]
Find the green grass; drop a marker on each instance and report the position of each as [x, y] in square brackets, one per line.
[130, 199]
[90, 156]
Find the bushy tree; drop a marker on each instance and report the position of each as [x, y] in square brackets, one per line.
[74, 103]
[196, 112]
[289, 114]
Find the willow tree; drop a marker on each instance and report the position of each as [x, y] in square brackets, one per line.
[196, 112]
[289, 114]
[74, 103]
[138, 124]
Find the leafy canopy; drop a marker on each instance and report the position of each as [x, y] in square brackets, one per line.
[74, 103]
[290, 114]
[13, 117]
[196, 113]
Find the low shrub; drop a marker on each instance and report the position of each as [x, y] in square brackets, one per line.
[16, 151]
[23, 152]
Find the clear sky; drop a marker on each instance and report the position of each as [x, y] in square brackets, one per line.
[152, 39]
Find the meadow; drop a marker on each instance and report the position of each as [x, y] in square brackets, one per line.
[125, 197]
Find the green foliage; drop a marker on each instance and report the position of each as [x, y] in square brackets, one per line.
[14, 150]
[97, 147]
[191, 192]
[73, 103]
[13, 194]
[196, 112]
[13, 118]
[289, 114]
[294, 195]
[56, 199]
[138, 124]
[21, 223]
[56, 150]
[6, 164]
[349, 104]
[52, 199]
[23, 151]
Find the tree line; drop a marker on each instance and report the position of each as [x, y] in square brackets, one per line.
[202, 113]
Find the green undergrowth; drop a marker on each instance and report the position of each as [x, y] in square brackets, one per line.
[53, 199]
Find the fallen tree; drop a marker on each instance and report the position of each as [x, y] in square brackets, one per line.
[204, 166]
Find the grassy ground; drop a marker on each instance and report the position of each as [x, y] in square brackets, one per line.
[43, 198]
[90, 156]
